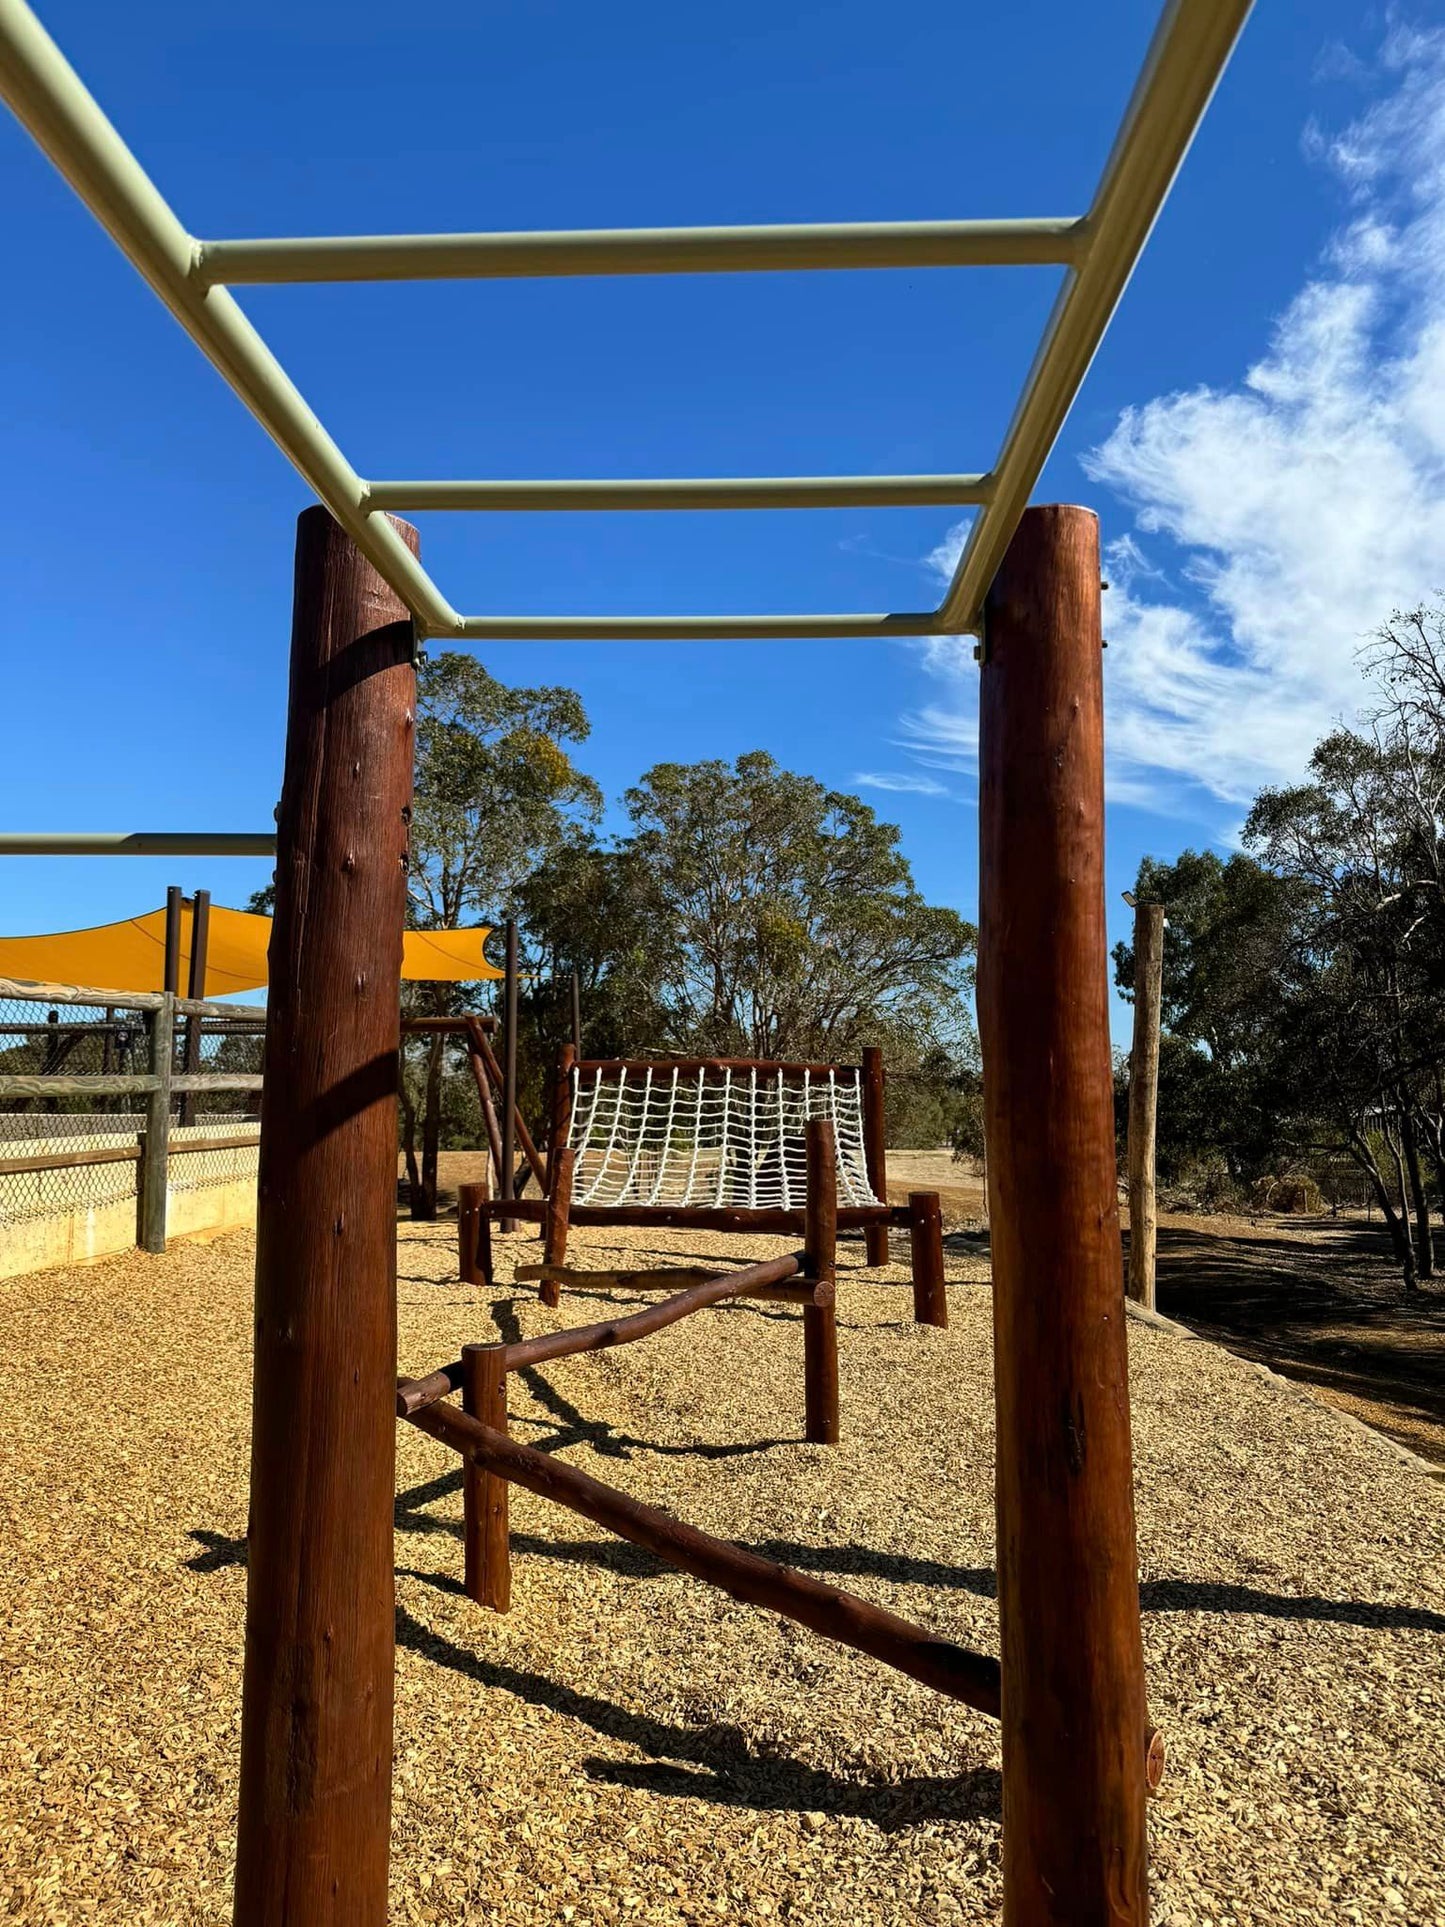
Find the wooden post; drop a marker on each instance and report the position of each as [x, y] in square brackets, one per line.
[316, 1734]
[509, 1077]
[1068, 1588]
[820, 1322]
[875, 1140]
[576, 1014]
[555, 1222]
[561, 1105]
[1144, 1098]
[474, 1234]
[925, 1235]
[196, 987]
[172, 961]
[155, 1165]
[485, 1538]
[476, 1056]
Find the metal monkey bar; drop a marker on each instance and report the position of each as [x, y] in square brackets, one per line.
[1097, 252]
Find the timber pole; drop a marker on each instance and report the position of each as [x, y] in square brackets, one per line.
[316, 1733]
[875, 1152]
[1073, 1673]
[1144, 1098]
[508, 1173]
[172, 955]
[196, 988]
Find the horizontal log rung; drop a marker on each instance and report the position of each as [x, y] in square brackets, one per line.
[973, 1678]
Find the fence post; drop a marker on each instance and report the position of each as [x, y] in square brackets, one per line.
[1068, 1584]
[820, 1322]
[1144, 1098]
[155, 1165]
[316, 1729]
[875, 1152]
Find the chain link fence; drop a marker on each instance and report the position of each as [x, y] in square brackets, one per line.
[84, 1077]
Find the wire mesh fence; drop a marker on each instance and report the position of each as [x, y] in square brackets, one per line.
[74, 1147]
[72, 1040]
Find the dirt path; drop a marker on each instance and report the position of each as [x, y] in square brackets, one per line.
[1320, 1301]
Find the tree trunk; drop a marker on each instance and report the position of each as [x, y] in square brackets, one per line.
[1362, 1154]
[1405, 1244]
[1420, 1203]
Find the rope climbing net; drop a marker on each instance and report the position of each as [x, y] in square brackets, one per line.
[721, 1136]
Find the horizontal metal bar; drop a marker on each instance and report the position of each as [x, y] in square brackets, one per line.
[691, 492]
[664, 250]
[138, 843]
[689, 628]
[50, 100]
[36, 990]
[1186, 57]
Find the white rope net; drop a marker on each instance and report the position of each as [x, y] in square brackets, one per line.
[723, 1138]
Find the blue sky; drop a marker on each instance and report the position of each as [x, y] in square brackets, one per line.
[1262, 433]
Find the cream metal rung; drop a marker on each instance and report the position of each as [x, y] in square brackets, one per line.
[1190, 48]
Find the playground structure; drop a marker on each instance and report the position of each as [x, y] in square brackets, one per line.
[316, 1737]
[708, 1143]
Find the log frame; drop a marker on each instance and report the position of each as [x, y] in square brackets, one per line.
[925, 1234]
[1073, 1677]
[316, 1733]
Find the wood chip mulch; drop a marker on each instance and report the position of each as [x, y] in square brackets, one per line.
[628, 1745]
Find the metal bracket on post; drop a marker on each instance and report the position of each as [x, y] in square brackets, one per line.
[980, 648]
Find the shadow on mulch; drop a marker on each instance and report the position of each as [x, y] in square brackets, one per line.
[719, 1766]
[854, 1561]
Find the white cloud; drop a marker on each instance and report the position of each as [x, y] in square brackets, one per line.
[1277, 522]
[901, 781]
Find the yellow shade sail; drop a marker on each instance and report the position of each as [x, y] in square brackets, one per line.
[131, 955]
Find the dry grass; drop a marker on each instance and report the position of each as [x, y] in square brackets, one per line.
[628, 1745]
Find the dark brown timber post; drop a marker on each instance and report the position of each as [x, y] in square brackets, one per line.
[556, 1220]
[820, 1322]
[196, 987]
[508, 1177]
[320, 1610]
[474, 1233]
[172, 954]
[925, 1234]
[875, 1139]
[561, 1106]
[486, 1546]
[1144, 1098]
[1073, 1672]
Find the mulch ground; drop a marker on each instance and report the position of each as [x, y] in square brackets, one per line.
[630, 1746]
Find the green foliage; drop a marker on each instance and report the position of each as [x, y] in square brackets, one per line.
[793, 925]
[496, 792]
[1303, 981]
